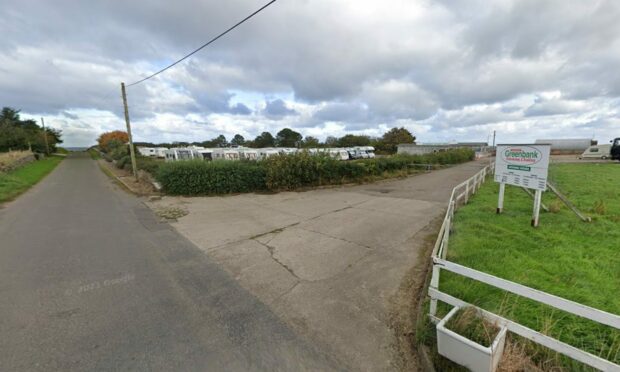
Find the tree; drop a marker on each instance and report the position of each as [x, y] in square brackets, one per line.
[392, 138]
[238, 140]
[331, 141]
[288, 138]
[351, 140]
[18, 134]
[265, 139]
[310, 141]
[219, 141]
[117, 136]
[9, 116]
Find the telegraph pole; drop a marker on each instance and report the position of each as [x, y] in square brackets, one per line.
[47, 146]
[131, 150]
[493, 138]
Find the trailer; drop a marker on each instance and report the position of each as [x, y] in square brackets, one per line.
[226, 154]
[181, 153]
[248, 154]
[597, 152]
[267, 152]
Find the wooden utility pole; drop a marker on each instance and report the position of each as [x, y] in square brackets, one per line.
[47, 146]
[131, 149]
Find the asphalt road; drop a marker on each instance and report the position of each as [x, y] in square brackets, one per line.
[90, 280]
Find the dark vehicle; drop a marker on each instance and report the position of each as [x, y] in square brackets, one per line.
[615, 149]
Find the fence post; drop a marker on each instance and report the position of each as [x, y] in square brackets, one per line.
[466, 192]
[434, 284]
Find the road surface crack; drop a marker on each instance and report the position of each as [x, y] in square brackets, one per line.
[271, 250]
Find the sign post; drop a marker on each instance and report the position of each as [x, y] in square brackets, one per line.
[523, 166]
[500, 199]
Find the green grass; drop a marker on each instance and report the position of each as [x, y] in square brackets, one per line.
[94, 154]
[16, 182]
[564, 256]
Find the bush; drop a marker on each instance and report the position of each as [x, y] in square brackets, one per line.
[149, 165]
[124, 162]
[289, 172]
[197, 177]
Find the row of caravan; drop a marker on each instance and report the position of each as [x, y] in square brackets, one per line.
[244, 153]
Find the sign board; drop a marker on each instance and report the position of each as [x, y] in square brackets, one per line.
[523, 165]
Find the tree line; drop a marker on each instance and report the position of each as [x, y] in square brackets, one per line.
[386, 144]
[18, 134]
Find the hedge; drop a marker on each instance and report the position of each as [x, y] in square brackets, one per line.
[289, 172]
[197, 177]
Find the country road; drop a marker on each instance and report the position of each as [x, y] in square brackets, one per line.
[90, 280]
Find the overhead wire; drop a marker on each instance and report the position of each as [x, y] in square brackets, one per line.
[203, 46]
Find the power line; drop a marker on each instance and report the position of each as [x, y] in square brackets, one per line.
[204, 45]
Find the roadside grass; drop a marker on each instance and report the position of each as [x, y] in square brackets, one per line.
[94, 154]
[564, 256]
[16, 182]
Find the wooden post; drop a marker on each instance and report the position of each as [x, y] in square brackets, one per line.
[47, 146]
[500, 199]
[131, 149]
[537, 202]
[434, 284]
[466, 192]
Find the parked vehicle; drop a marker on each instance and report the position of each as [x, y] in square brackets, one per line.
[226, 154]
[205, 154]
[248, 154]
[369, 150]
[265, 153]
[340, 154]
[615, 149]
[597, 152]
[153, 152]
[182, 153]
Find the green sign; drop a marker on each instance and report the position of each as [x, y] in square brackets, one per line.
[519, 167]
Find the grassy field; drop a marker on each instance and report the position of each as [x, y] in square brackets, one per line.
[16, 182]
[564, 256]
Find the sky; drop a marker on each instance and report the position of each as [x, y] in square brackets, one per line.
[447, 70]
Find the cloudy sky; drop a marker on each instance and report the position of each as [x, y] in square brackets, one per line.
[447, 70]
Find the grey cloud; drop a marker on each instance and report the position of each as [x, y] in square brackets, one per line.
[277, 109]
[384, 63]
[240, 109]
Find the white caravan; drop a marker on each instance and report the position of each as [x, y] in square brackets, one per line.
[225, 154]
[181, 153]
[267, 152]
[248, 154]
[340, 154]
[147, 151]
[369, 151]
[597, 152]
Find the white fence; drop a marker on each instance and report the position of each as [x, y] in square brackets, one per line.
[461, 194]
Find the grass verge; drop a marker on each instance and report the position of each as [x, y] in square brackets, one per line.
[16, 182]
[564, 256]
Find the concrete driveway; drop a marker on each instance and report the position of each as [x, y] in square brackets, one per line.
[325, 261]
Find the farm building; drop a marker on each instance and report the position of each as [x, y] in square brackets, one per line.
[567, 146]
[420, 149]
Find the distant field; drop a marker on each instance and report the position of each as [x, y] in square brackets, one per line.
[564, 256]
[16, 182]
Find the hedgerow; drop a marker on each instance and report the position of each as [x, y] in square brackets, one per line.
[290, 172]
[198, 177]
